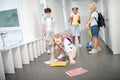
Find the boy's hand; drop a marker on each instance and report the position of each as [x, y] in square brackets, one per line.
[86, 25]
[53, 24]
[42, 34]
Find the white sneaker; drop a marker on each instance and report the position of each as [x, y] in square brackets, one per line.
[93, 51]
[61, 56]
[80, 45]
[48, 51]
[99, 48]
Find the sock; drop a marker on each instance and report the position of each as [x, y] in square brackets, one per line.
[90, 43]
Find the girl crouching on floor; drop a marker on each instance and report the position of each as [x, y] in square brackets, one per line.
[64, 46]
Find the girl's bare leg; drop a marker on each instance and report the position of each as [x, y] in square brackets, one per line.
[72, 55]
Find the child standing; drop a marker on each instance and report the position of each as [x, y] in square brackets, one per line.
[75, 21]
[94, 27]
[48, 25]
[64, 46]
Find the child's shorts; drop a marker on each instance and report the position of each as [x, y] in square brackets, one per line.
[75, 30]
[48, 35]
[95, 31]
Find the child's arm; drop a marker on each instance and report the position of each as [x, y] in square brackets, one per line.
[88, 23]
[70, 19]
[53, 24]
[42, 29]
[52, 56]
[53, 53]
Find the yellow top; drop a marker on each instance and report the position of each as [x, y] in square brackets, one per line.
[75, 19]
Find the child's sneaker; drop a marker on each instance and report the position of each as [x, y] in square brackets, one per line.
[61, 56]
[48, 51]
[93, 51]
[80, 45]
[99, 48]
[89, 46]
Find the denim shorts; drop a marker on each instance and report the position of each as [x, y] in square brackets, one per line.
[95, 31]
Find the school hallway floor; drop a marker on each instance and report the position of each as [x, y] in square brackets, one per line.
[101, 66]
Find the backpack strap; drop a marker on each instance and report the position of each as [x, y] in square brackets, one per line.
[51, 19]
[69, 40]
[98, 16]
[44, 20]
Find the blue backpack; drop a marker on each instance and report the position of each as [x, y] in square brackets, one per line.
[101, 20]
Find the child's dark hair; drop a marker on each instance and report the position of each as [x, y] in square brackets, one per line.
[47, 10]
[75, 8]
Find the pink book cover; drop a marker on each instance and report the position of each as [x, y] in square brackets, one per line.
[76, 71]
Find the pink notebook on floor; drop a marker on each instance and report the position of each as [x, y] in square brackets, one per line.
[76, 71]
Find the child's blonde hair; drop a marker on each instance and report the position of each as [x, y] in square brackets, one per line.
[92, 5]
[59, 36]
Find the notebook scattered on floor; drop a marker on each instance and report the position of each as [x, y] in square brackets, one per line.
[58, 64]
[76, 71]
[48, 62]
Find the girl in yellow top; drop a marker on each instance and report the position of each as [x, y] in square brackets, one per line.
[75, 21]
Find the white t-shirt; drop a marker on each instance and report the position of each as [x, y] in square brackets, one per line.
[68, 46]
[47, 22]
[94, 22]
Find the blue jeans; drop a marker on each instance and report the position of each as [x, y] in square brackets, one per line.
[95, 30]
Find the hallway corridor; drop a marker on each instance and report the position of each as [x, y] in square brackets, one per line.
[23, 32]
[101, 66]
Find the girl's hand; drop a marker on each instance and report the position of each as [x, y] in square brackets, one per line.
[52, 60]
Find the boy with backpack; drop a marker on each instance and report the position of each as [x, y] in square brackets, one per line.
[75, 21]
[48, 25]
[93, 23]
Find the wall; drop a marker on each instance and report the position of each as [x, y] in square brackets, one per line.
[83, 10]
[2, 76]
[105, 32]
[110, 34]
[113, 7]
[57, 13]
[8, 4]
[29, 21]
[14, 34]
[66, 12]
[29, 13]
